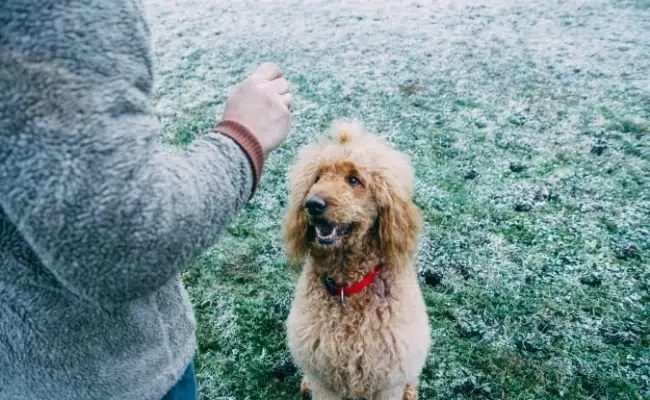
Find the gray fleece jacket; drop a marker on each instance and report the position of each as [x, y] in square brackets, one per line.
[96, 219]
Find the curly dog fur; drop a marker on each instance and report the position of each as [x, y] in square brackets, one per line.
[374, 344]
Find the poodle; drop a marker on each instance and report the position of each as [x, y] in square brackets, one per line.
[358, 326]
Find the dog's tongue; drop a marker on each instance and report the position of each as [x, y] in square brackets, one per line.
[325, 229]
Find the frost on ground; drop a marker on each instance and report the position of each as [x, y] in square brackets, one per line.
[529, 125]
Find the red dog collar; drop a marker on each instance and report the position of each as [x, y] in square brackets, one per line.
[335, 290]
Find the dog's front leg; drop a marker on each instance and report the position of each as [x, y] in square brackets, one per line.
[318, 390]
[398, 393]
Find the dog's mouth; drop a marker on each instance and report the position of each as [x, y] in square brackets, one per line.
[327, 233]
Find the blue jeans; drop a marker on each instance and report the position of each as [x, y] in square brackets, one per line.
[186, 388]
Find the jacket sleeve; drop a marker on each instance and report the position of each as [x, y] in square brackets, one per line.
[83, 176]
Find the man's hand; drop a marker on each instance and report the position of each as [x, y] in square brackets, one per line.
[261, 103]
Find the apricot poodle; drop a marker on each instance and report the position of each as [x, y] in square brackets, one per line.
[358, 326]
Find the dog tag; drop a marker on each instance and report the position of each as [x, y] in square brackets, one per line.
[342, 299]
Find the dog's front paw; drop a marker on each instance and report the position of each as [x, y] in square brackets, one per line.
[411, 392]
[305, 390]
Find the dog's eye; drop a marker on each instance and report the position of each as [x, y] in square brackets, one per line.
[352, 180]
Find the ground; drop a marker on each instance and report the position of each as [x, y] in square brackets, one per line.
[529, 125]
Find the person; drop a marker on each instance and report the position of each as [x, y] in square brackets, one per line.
[97, 219]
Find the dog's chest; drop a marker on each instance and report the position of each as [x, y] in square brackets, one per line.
[351, 349]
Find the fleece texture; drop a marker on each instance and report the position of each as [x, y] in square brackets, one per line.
[97, 219]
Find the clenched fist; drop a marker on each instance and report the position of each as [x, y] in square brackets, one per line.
[262, 103]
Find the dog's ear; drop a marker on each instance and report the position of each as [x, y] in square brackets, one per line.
[295, 227]
[399, 221]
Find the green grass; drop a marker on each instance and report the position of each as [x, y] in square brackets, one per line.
[529, 128]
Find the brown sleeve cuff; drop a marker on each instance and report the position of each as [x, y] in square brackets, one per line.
[249, 144]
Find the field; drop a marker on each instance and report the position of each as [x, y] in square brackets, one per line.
[529, 125]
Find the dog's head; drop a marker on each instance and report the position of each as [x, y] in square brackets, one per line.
[348, 193]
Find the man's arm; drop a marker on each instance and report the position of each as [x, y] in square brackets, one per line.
[82, 174]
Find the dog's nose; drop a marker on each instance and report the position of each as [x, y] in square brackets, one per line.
[316, 206]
